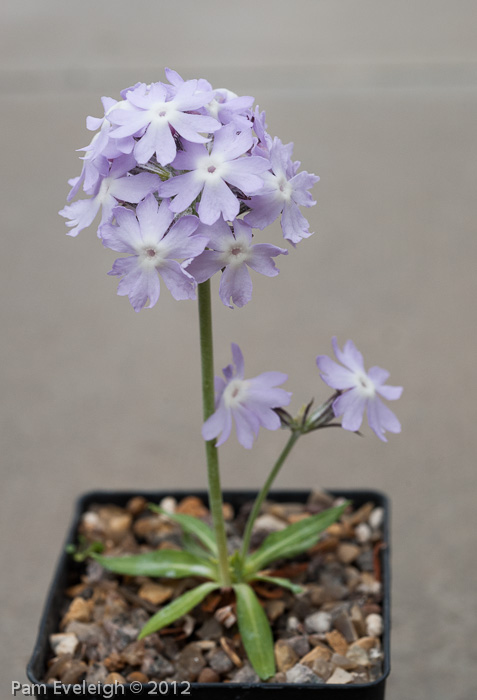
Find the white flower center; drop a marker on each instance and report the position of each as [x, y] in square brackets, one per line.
[235, 392]
[151, 255]
[211, 168]
[284, 188]
[104, 189]
[237, 253]
[162, 111]
[365, 385]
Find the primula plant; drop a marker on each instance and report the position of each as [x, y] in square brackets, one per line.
[184, 175]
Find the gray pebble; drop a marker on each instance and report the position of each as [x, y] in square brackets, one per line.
[302, 674]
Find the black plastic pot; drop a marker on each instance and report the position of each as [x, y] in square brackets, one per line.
[66, 573]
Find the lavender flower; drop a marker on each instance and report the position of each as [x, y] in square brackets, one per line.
[284, 190]
[250, 402]
[112, 184]
[153, 249]
[157, 108]
[233, 252]
[360, 391]
[210, 174]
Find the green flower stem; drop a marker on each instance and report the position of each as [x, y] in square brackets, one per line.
[264, 492]
[208, 401]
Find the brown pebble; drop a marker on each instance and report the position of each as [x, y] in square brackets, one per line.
[77, 590]
[357, 618]
[369, 608]
[113, 678]
[279, 677]
[359, 656]
[285, 656]
[208, 675]
[228, 513]
[155, 593]
[344, 625]
[366, 643]
[337, 642]
[347, 552]
[80, 610]
[118, 526]
[137, 676]
[317, 594]
[136, 505]
[322, 668]
[58, 665]
[114, 661]
[319, 652]
[133, 654]
[340, 530]
[191, 505]
[73, 672]
[326, 544]
[359, 516]
[297, 517]
[274, 608]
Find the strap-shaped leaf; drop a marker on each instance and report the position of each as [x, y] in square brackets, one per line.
[193, 526]
[293, 540]
[169, 563]
[179, 607]
[279, 581]
[255, 631]
[190, 544]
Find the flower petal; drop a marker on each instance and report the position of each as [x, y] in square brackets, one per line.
[261, 259]
[351, 406]
[179, 282]
[334, 375]
[217, 199]
[205, 265]
[237, 357]
[391, 393]
[235, 284]
[350, 356]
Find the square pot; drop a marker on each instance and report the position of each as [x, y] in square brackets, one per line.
[67, 571]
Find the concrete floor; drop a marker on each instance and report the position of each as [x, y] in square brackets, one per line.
[381, 102]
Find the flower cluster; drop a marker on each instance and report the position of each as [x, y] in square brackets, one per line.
[182, 174]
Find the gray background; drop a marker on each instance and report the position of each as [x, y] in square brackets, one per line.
[380, 100]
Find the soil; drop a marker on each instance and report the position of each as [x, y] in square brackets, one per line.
[330, 633]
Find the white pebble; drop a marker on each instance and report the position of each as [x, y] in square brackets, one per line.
[374, 625]
[363, 533]
[168, 504]
[318, 623]
[64, 643]
[376, 518]
[293, 624]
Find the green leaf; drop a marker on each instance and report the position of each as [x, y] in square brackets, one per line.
[278, 581]
[179, 607]
[191, 545]
[169, 563]
[293, 540]
[193, 526]
[255, 631]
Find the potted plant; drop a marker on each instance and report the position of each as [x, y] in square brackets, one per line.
[183, 175]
